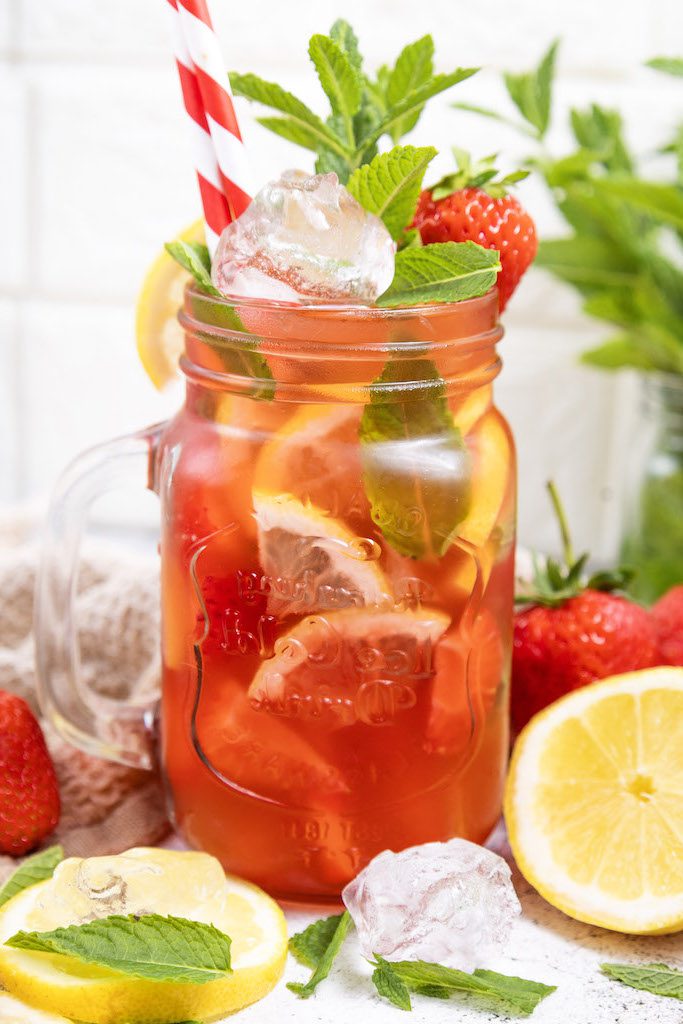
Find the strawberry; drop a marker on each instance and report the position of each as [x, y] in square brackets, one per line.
[471, 206]
[29, 796]
[573, 631]
[667, 614]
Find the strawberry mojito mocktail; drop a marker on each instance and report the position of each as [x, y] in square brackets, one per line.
[337, 493]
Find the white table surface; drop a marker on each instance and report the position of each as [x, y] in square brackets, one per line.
[546, 946]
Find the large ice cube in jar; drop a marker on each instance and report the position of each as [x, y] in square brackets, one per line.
[450, 903]
[305, 237]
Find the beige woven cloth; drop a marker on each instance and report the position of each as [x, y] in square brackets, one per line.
[106, 808]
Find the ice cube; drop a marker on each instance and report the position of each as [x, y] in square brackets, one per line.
[139, 881]
[305, 238]
[449, 903]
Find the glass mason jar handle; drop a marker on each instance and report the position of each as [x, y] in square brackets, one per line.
[102, 726]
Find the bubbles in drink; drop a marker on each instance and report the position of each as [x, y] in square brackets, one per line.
[450, 903]
[305, 237]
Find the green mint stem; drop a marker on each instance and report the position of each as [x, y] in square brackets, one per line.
[567, 546]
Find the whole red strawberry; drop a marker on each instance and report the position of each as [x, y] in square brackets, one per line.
[572, 632]
[29, 797]
[667, 614]
[471, 206]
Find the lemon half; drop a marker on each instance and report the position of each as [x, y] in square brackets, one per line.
[594, 802]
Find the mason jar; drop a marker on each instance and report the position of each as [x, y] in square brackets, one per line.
[337, 501]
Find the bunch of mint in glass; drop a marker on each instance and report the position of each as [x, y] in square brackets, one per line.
[624, 252]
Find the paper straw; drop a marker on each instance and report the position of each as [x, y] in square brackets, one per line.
[214, 88]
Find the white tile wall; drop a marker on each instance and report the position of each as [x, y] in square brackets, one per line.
[96, 172]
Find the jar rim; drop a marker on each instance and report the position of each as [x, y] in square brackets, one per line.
[314, 307]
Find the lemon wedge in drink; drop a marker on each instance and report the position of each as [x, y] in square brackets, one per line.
[190, 885]
[594, 802]
[158, 333]
[313, 560]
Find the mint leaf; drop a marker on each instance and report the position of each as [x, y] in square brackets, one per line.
[493, 115]
[416, 468]
[531, 92]
[669, 65]
[414, 68]
[34, 869]
[300, 125]
[192, 257]
[617, 353]
[413, 103]
[583, 260]
[389, 984]
[501, 993]
[390, 185]
[600, 130]
[309, 945]
[663, 202]
[325, 959]
[347, 40]
[659, 979]
[339, 79]
[148, 946]
[441, 272]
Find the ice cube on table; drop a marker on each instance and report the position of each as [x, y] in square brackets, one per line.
[305, 237]
[450, 903]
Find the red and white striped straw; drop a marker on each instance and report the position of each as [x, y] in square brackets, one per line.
[221, 161]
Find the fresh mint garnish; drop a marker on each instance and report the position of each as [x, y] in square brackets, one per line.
[363, 109]
[390, 985]
[317, 946]
[340, 81]
[414, 68]
[416, 468]
[194, 258]
[148, 946]
[659, 979]
[442, 272]
[500, 993]
[34, 869]
[389, 186]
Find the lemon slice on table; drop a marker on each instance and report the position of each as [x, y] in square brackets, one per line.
[594, 802]
[13, 1011]
[85, 992]
[314, 561]
[159, 335]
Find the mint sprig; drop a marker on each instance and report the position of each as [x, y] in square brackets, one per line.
[389, 186]
[501, 993]
[317, 946]
[669, 65]
[37, 868]
[363, 109]
[441, 272]
[659, 979]
[149, 946]
[416, 468]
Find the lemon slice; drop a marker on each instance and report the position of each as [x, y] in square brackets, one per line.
[357, 664]
[314, 562]
[86, 992]
[491, 453]
[13, 1011]
[159, 336]
[594, 802]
